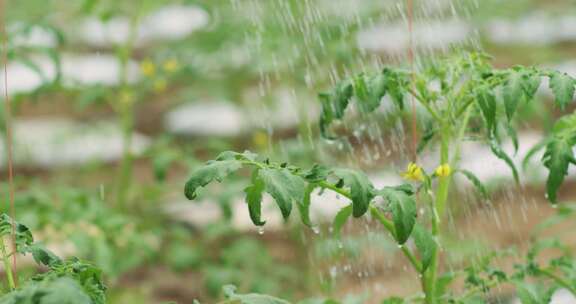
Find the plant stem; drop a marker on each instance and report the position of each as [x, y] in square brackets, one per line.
[383, 220]
[390, 227]
[125, 173]
[127, 115]
[437, 212]
[7, 267]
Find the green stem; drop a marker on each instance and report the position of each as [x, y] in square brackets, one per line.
[382, 219]
[7, 267]
[438, 210]
[125, 173]
[126, 113]
[562, 282]
[390, 227]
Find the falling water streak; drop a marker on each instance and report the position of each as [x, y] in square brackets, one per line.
[8, 123]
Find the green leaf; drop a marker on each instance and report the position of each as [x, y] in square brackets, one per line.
[254, 198]
[251, 298]
[58, 291]
[559, 154]
[426, 137]
[396, 86]
[533, 293]
[563, 87]
[425, 244]
[530, 85]
[557, 158]
[367, 90]
[23, 236]
[403, 208]
[334, 105]
[285, 187]
[533, 150]
[513, 92]
[498, 152]
[304, 205]
[317, 173]
[487, 104]
[394, 300]
[361, 189]
[340, 219]
[43, 256]
[214, 170]
[475, 181]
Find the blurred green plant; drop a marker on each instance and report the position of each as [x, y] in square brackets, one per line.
[66, 281]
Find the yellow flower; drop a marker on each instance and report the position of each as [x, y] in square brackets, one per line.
[170, 65]
[413, 173]
[159, 85]
[260, 139]
[443, 170]
[126, 97]
[148, 68]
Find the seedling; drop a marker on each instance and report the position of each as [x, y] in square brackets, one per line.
[464, 97]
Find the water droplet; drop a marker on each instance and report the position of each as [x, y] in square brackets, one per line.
[260, 230]
[316, 229]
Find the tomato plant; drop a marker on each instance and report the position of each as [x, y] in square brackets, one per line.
[66, 281]
[463, 97]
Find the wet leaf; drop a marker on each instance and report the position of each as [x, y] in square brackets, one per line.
[361, 189]
[563, 87]
[403, 208]
[425, 244]
[215, 170]
[284, 187]
[254, 198]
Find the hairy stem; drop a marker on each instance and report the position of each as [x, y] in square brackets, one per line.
[7, 266]
[437, 212]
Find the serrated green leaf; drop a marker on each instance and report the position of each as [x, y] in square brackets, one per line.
[254, 199]
[559, 154]
[396, 84]
[340, 219]
[43, 256]
[512, 93]
[557, 158]
[562, 86]
[533, 293]
[487, 104]
[317, 173]
[361, 189]
[475, 181]
[425, 244]
[498, 152]
[403, 208]
[530, 85]
[251, 298]
[365, 93]
[285, 187]
[426, 137]
[23, 235]
[334, 105]
[215, 170]
[304, 205]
